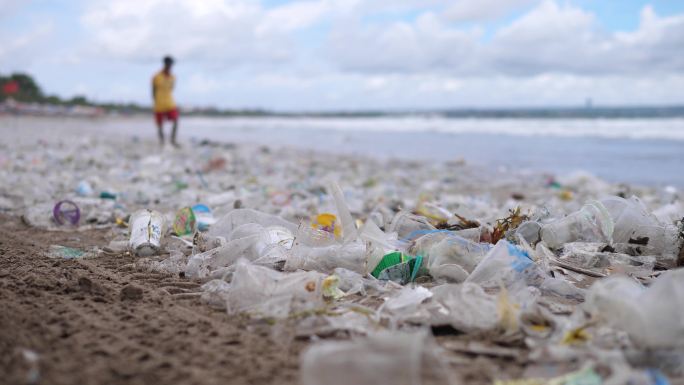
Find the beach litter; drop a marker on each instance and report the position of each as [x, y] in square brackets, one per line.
[64, 252]
[146, 229]
[392, 265]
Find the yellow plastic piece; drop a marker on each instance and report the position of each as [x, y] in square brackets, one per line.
[330, 287]
[327, 222]
[565, 195]
[576, 336]
[508, 311]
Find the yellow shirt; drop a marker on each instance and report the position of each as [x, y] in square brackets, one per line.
[163, 98]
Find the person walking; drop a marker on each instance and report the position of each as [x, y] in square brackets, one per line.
[164, 105]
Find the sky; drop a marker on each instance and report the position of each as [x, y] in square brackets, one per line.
[314, 55]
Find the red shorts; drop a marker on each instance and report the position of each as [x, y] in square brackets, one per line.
[171, 115]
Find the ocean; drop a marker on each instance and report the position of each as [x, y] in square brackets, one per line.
[641, 151]
[645, 151]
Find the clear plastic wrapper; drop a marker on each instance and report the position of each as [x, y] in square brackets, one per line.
[506, 264]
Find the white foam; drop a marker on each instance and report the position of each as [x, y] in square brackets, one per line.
[640, 128]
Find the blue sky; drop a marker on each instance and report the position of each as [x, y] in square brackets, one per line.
[353, 54]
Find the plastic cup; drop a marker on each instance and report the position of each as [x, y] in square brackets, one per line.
[147, 228]
[592, 223]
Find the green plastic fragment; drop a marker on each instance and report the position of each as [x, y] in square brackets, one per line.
[389, 260]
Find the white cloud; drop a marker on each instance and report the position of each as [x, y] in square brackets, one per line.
[549, 38]
[224, 32]
[424, 45]
[18, 49]
[481, 10]
[313, 54]
[656, 45]
[302, 14]
[200, 83]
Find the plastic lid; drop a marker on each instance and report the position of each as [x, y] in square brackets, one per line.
[66, 212]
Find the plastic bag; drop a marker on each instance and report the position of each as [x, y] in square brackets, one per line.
[506, 264]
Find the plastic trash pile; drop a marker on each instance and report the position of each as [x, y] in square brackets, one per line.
[576, 279]
[597, 289]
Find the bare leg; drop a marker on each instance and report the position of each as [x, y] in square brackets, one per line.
[160, 131]
[174, 130]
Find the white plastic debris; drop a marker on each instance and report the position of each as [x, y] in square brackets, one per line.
[652, 316]
[380, 359]
[505, 264]
[264, 292]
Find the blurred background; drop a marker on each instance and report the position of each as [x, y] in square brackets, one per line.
[551, 86]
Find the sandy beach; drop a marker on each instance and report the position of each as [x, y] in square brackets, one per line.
[109, 316]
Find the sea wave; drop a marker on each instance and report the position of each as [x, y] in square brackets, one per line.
[662, 128]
